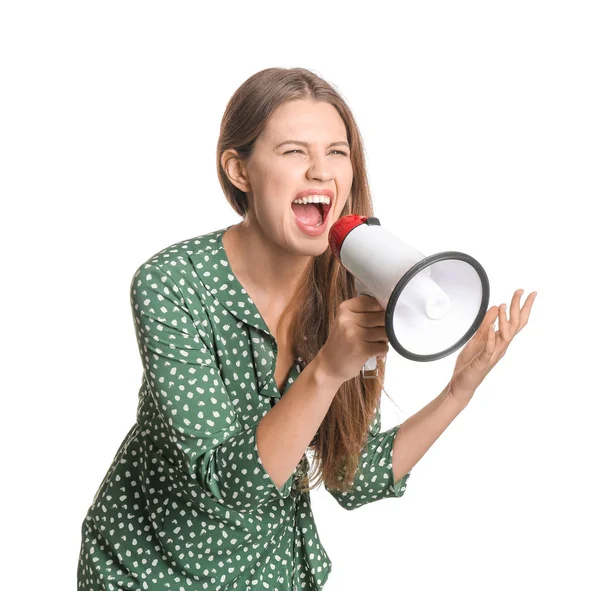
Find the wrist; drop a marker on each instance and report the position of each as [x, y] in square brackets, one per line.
[458, 397]
[322, 376]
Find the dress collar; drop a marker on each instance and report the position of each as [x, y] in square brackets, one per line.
[214, 271]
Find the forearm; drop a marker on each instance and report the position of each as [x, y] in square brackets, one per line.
[285, 432]
[418, 433]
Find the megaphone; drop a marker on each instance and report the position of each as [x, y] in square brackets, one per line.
[433, 305]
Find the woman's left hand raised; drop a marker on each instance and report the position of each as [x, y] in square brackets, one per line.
[487, 347]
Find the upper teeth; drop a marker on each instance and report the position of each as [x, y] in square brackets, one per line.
[312, 199]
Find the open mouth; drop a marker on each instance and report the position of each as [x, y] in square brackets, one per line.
[312, 214]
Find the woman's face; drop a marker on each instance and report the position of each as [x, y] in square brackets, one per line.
[278, 171]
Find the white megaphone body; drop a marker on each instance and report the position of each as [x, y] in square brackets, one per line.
[433, 305]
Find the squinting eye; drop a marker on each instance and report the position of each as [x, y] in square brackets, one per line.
[300, 151]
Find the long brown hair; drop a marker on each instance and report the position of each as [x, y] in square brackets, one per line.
[325, 284]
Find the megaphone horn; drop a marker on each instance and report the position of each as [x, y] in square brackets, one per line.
[433, 305]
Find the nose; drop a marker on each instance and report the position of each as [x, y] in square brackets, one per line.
[319, 169]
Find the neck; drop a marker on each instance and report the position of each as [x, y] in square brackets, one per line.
[268, 272]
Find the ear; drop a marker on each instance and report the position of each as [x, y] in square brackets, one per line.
[235, 169]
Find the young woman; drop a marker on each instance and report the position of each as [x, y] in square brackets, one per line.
[252, 340]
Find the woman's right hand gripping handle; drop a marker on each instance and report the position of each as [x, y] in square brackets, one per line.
[358, 333]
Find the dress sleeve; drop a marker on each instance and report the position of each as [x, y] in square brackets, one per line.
[196, 427]
[374, 479]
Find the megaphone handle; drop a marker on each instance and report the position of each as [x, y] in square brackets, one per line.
[371, 363]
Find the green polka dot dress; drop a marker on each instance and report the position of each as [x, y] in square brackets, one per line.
[187, 503]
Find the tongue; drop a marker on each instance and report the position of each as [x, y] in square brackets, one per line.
[309, 213]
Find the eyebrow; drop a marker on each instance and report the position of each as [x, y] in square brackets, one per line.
[306, 143]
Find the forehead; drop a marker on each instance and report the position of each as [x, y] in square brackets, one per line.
[307, 120]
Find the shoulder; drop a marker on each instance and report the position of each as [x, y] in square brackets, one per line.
[177, 258]
[178, 271]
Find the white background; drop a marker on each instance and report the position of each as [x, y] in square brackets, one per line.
[481, 125]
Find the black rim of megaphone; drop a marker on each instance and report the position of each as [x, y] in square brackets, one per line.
[422, 264]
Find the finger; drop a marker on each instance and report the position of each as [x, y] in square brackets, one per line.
[481, 335]
[524, 316]
[370, 319]
[515, 310]
[478, 342]
[489, 320]
[376, 334]
[364, 303]
[503, 324]
[490, 343]
[486, 351]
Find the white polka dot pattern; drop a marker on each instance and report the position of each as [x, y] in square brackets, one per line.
[187, 503]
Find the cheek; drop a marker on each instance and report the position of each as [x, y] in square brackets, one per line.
[349, 168]
[283, 179]
[344, 172]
